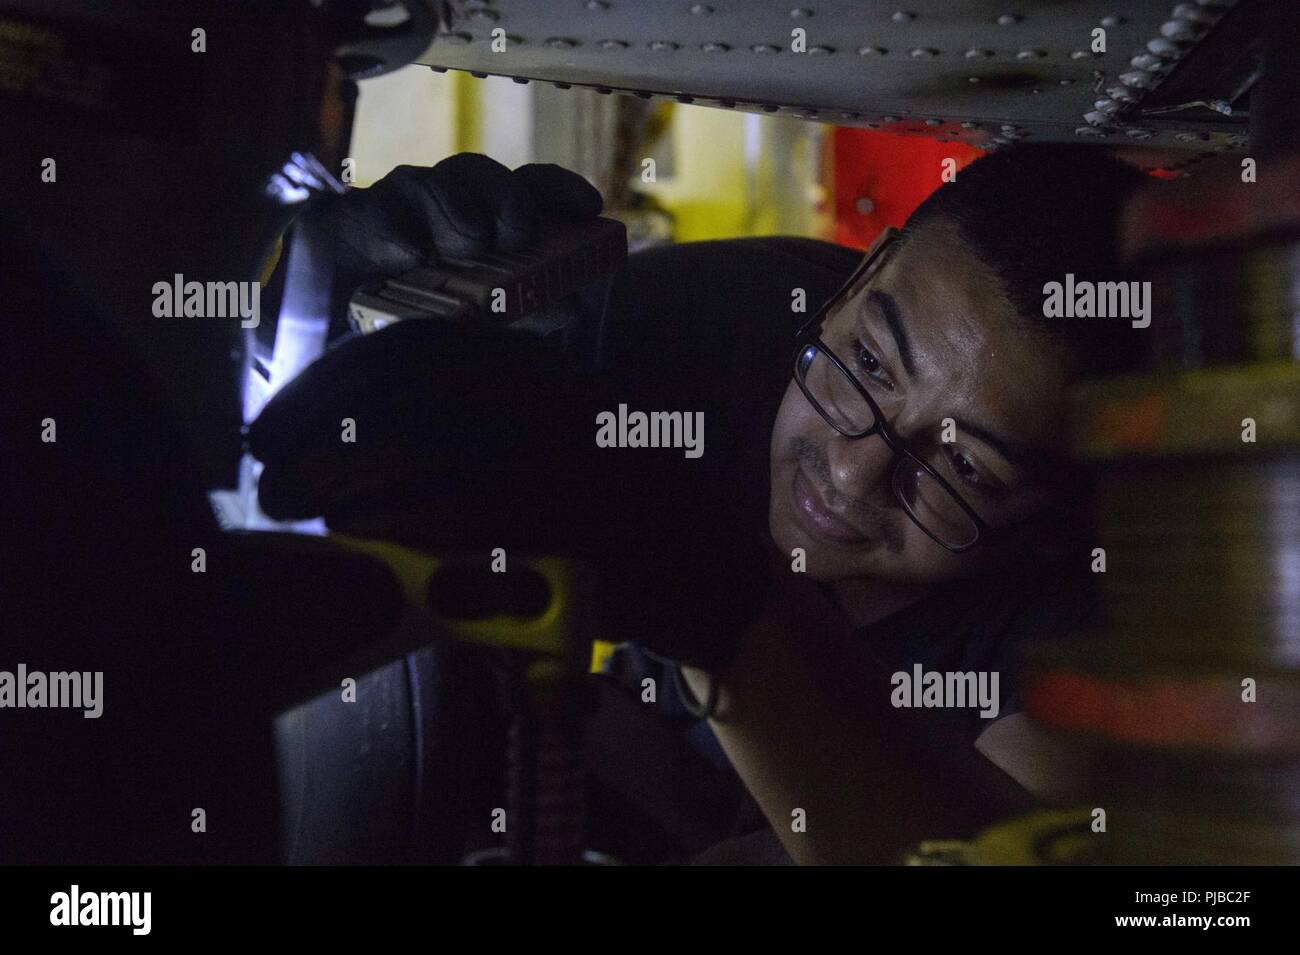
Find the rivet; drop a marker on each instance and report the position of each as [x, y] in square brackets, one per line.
[890, 119]
[561, 43]
[701, 9]
[1138, 133]
[1080, 55]
[1189, 11]
[1009, 128]
[613, 45]
[1108, 105]
[1065, 82]
[822, 50]
[438, 69]
[970, 125]
[1009, 19]
[1142, 79]
[872, 51]
[924, 53]
[801, 13]
[1088, 131]
[1095, 118]
[934, 122]
[972, 79]
[903, 16]
[478, 75]
[1178, 30]
[714, 47]
[660, 46]
[1146, 61]
[873, 125]
[1165, 48]
[1111, 21]
[974, 54]
[764, 48]
[562, 86]
[806, 113]
[455, 39]
[685, 99]
[604, 90]
[521, 80]
[597, 5]
[1121, 93]
[1031, 54]
[1185, 137]
[864, 206]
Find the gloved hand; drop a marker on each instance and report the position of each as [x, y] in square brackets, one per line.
[469, 439]
[480, 438]
[462, 207]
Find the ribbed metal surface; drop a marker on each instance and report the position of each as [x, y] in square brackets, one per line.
[985, 72]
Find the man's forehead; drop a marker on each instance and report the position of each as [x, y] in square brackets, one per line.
[972, 353]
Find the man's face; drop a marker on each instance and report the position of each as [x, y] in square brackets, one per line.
[931, 336]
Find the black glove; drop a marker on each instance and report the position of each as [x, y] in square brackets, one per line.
[469, 439]
[460, 208]
[474, 438]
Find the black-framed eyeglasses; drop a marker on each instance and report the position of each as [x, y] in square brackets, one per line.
[927, 497]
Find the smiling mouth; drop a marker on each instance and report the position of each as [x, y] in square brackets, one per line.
[817, 518]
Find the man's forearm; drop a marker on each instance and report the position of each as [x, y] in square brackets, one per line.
[842, 776]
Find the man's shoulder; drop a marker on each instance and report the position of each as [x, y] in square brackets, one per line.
[711, 292]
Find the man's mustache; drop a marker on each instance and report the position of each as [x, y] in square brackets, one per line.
[874, 520]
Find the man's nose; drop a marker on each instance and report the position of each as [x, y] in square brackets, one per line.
[861, 468]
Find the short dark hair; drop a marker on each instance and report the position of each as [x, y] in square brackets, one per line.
[1033, 213]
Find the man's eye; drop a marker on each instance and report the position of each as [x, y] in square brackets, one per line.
[870, 364]
[965, 468]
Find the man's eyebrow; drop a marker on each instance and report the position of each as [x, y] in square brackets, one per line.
[1027, 457]
[888, 306]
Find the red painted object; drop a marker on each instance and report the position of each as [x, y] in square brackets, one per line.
[879, 178]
